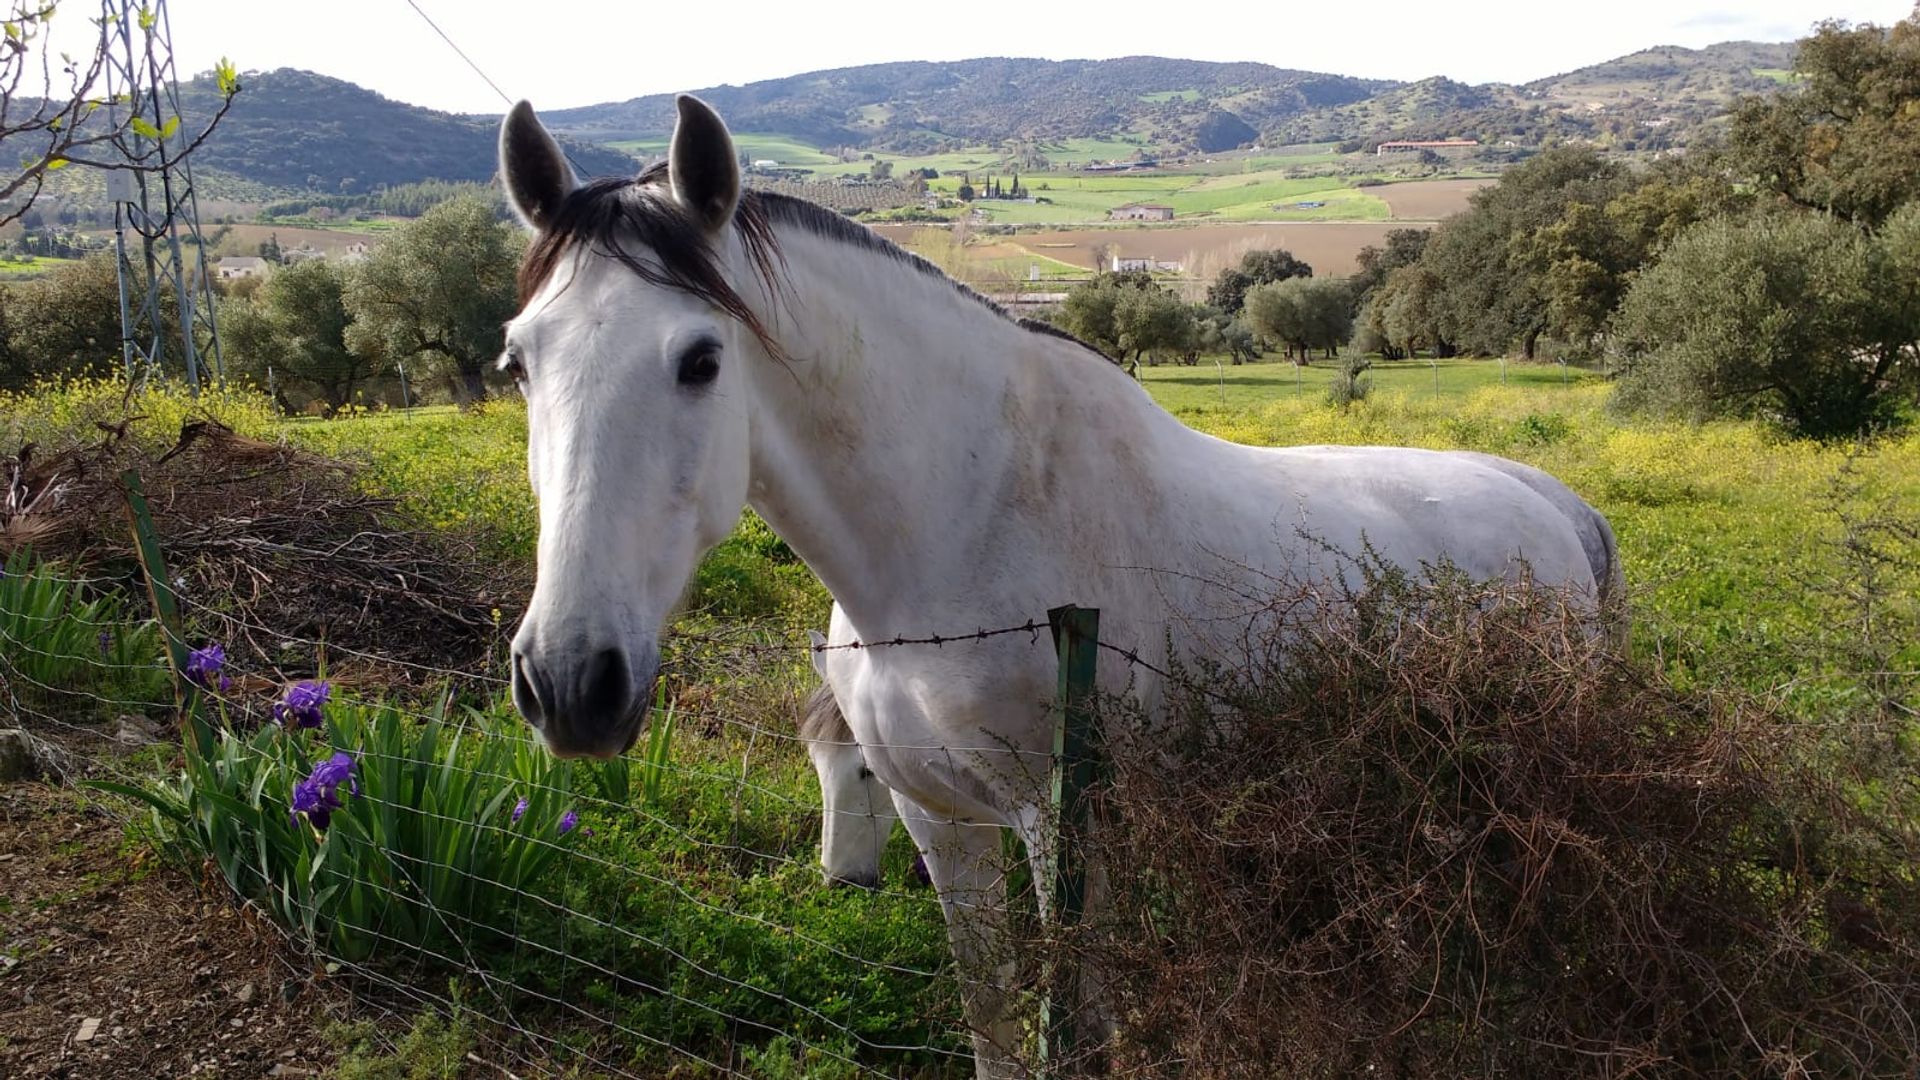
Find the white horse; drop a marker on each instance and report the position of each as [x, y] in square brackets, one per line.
[857, 810]
[687, 349]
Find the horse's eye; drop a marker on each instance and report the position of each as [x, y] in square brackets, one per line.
[865, 772]
[700, 365]
[512, 366]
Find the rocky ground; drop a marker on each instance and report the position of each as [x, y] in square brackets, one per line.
[113, 967]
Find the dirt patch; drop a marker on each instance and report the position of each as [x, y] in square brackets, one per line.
[113, 967]
[1428, 200]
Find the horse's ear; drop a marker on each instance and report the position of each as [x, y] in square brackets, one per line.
[819, 658]
[702, 166]
[535, 172]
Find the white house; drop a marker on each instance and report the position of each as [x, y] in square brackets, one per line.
[1123, 263]
[240, 266]
[1141, 212]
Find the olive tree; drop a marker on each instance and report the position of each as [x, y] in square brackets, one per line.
[1798, 316]
[440, 289]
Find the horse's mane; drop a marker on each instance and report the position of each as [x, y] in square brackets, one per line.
[821, 720]
[608, 213]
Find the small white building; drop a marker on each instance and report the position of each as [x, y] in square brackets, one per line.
[240, 266]
[1123, 263]
[1141, 212]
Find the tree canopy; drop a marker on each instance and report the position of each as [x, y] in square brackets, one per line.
[440, 289]
[1229, 291]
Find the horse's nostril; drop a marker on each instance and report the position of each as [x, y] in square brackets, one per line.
[527, 696]
[606, 689]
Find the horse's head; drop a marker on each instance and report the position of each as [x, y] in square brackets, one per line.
[629, 348]
[857, 809]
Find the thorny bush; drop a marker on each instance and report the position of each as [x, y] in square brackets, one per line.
[1445, 830]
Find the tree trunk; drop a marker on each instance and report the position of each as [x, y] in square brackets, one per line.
[1528, 344]
[473, 383]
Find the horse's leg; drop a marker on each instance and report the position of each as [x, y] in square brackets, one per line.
[965, 863]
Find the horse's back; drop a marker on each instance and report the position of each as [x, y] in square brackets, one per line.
[1410, 506]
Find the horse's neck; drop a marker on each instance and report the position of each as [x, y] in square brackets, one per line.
[923, 448]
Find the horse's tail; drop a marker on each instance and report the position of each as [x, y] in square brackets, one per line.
[1610, 582]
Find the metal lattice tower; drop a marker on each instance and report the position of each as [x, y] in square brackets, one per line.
[166, 295]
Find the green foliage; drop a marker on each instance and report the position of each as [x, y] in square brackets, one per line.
[1790, 315]
[425, 854]
[1845, 140]
[63, 644]
[1229, 291]
[292, 335]
[1304, 313]
[61, 413]
[1493, 293]
[433, 1048]
[1348, 385]
[441, 287]
[65, 323]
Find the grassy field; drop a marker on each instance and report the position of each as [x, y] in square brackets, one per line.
[30, 267]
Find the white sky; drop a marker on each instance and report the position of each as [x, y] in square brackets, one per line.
[561, 53]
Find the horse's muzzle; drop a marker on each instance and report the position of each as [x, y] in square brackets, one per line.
[584, 702]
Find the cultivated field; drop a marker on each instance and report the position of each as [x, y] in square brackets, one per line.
[1428, 200]
[1329, 247]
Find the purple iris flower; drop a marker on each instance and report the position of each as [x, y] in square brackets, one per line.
[318, 796]
[203, 668]
[301, 706]
[519, 808]
[106, 642]
[567, 821]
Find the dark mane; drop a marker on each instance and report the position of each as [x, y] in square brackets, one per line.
[606, 214]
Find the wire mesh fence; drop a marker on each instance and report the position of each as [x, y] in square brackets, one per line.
[663, 912]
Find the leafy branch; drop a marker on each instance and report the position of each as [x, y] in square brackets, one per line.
[63, 124]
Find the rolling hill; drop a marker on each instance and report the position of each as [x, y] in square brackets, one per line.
[1656, 96]
[297, 130]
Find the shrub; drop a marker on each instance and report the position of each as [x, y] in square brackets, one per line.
[1348, 385]
[1448, 833]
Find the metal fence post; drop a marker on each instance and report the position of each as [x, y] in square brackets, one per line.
[1076, 638]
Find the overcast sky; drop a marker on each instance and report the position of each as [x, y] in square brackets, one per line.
[562, 53]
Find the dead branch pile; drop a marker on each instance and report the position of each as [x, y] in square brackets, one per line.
[274, 552]
[1450, 834]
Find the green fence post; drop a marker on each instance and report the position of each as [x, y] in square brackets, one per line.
[153, 566]
[1076, 638]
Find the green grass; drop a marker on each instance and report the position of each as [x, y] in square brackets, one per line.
[1784, 76]
[23, 267]
[1163, 96]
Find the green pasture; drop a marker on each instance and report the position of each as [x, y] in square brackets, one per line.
[30, 266]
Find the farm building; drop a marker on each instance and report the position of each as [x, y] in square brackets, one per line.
[1141, 212]
[1414, 146]
[1123, 263]
[240, 266]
